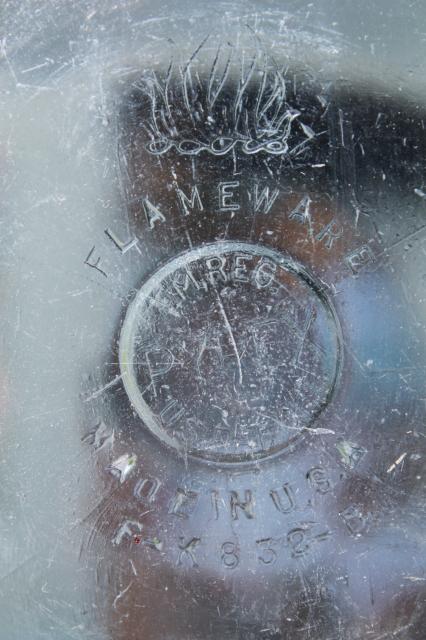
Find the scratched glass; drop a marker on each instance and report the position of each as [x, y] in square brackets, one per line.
[213, 320]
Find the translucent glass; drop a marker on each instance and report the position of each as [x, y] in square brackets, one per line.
[213, 274]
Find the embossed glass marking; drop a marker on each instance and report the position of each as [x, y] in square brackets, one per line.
[229, 352]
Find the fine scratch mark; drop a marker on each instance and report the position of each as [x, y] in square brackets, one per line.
[371, 591]
[121, 594]
[3, 54]
[305, 331]
[397, 462]
[37, 66]
[188, 237]
[342, 136]
[231, 336]
[318, 430]
[107, 386]
[415, 578]
[410, 236]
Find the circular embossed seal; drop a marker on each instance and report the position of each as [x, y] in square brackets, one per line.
[230, 351]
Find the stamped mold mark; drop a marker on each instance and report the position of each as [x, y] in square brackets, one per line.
[232, 340]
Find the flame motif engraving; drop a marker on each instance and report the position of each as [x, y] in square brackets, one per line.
[238, 100]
